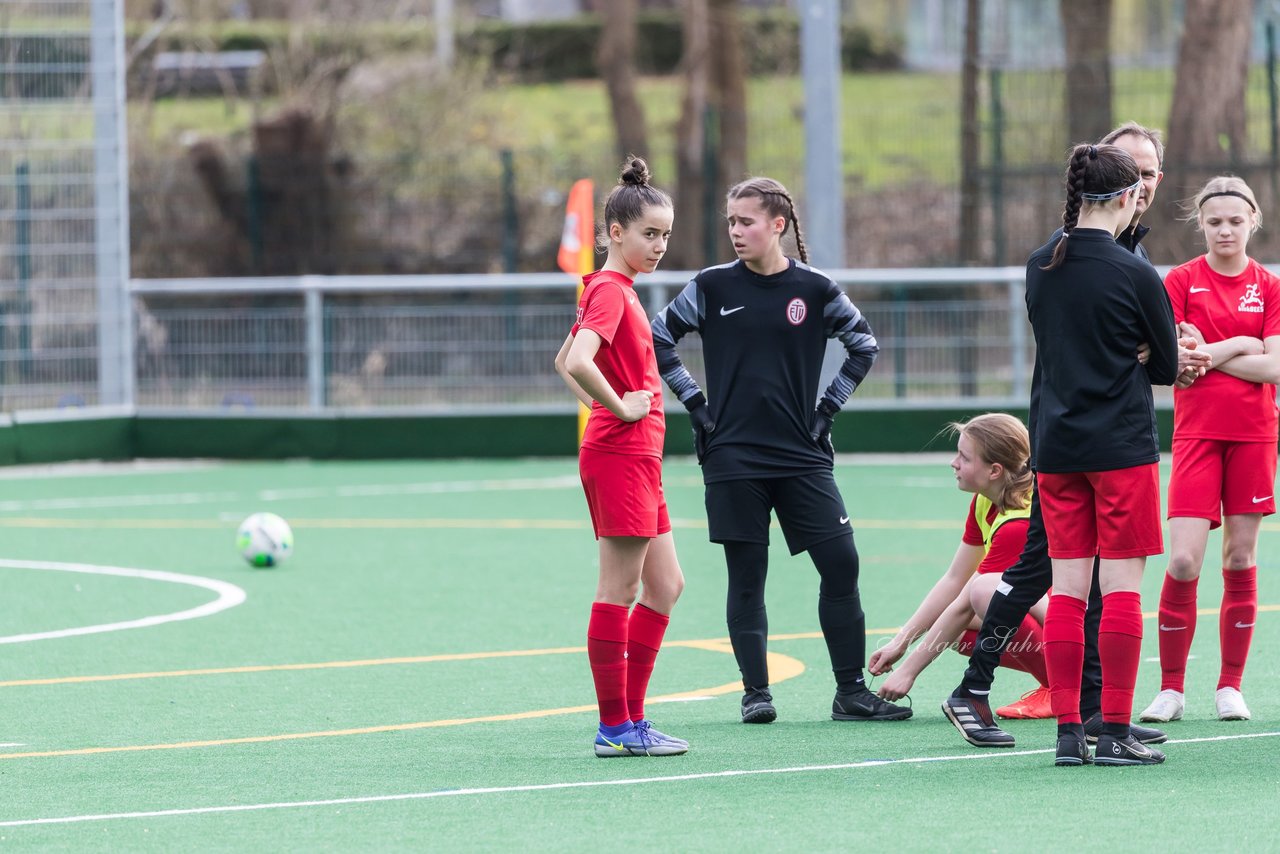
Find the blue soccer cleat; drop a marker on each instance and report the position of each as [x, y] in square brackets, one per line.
[641, 740]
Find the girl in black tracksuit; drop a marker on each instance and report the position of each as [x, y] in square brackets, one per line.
[764, 446]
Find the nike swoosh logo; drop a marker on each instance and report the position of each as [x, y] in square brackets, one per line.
[1165, 628]
[1244, 625]
[725, 312]
[1257, 500]
[617, 746]
[844, 520]
[1198, 290]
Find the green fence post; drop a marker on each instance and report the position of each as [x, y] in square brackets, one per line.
[997, 166]
[510, 215]
[22, 237]
[900, 303]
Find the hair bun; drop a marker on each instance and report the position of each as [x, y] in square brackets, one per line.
[635, 173]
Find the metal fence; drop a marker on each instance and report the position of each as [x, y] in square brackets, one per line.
[64, 237]
[486, 343]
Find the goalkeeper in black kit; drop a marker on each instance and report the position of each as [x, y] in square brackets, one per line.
[763, 434]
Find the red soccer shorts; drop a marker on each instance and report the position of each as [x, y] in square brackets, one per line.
[1213, 477]
[624, 494]
[1113, 514]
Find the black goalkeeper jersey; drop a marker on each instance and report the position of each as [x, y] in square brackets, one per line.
[763, 342]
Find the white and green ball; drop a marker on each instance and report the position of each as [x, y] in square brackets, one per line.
[264, 539]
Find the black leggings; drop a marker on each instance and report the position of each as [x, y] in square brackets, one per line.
[839, 609]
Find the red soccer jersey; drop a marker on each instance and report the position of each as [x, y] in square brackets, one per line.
[1007, 540]
[1218, 405]
[610, 308]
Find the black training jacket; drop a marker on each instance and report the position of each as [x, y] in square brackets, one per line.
[763, 342]
[1095, 410]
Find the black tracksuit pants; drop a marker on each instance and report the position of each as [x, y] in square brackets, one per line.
[1029, 579]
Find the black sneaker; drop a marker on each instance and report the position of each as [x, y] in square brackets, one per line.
[1143, 734]
[1072, 750]
[1125, 751]
[757, 707]
[862, 705]
[973, 718]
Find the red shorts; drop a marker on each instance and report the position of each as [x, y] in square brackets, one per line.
[1213, 477]
[624, 494]
[1113, 514]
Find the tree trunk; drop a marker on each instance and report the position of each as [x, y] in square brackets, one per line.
[1207, 118]
[970, 152]
[1086, 26]
[688, 252]
[616, 59]
[729, 81]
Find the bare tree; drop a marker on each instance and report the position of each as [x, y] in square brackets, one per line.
[711, 135]
[1086, 27]
[616, 59]
[1207, 119]
[729, 76]
[691, 135]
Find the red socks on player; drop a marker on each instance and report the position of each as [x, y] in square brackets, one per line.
[644, 638]
[1120, 650]
[1177, 627]
[607, 651]
[1025, 651]
[1235, 622]
[1064, 654]
[622, 646]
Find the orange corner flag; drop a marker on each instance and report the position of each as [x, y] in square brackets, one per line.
[576, 243]
[578, 238]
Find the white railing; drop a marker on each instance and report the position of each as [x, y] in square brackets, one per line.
[468, 343]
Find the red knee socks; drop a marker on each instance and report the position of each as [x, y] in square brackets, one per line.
[1064, 654]
[644, 638]
[1235, 622]
[1177, 627]
[1120, 649]
[607, 651]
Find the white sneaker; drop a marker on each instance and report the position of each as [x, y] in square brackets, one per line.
[1231, 705]
[1167, 706]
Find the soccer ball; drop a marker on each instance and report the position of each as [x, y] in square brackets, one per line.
[264, 539]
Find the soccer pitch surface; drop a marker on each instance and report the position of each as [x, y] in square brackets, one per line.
[415, 678]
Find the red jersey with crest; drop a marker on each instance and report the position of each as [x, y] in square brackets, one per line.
[610, 308]
[1218, 405]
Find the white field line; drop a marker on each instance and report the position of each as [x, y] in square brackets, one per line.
[229, 595]
[583, 784]
[346, 491]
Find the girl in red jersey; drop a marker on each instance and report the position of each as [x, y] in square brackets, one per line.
[1224, 442]
[607, 361]
[992, 463]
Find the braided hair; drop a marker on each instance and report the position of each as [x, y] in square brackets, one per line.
[629, 198]
[1092, 170]
[775, 199]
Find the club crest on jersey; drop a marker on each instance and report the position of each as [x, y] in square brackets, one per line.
[1251, 301]
[797, 310]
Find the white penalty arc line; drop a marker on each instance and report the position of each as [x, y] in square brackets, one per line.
[229, 596]
[581, 784]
